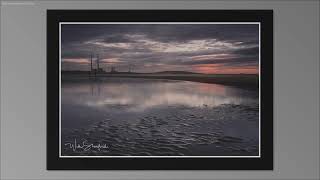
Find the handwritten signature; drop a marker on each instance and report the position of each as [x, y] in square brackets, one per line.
[85, 146]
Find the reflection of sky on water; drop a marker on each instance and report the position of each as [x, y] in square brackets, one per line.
[138, 95]
[150, 112]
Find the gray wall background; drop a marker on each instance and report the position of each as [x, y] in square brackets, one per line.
[296, 92]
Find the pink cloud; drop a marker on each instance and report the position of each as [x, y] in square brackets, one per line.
[79, 61]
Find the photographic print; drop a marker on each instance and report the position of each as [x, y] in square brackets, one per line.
[146, 89]
[159, 90]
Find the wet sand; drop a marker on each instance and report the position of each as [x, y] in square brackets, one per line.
[225, 130]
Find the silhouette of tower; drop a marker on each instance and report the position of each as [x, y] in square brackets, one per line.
[91, 62]
[113, 69]
[129, 69]
[98, 67]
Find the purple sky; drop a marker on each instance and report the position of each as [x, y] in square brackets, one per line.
[204, 48]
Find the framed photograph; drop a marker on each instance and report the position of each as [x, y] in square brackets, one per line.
[159, 89]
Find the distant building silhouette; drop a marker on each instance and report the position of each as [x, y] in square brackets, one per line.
[98, 69]
[91, 56]
[129, 68]
[98, 63]
[113, 70]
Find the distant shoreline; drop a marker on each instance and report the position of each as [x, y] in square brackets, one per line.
[245, 81]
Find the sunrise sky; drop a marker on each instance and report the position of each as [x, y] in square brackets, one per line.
[202, 48]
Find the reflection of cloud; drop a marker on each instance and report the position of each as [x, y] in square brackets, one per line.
[111, 101]
[144, 96]
[190, 100]
[163, 99]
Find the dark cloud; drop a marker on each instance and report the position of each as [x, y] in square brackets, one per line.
[117, 38]
[248, 33]
[230, 62]
[161, 44]
[252, 51]
[184, 33]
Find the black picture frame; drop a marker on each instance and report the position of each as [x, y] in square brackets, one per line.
[264, 162]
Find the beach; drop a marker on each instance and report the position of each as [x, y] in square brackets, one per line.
[121, 116]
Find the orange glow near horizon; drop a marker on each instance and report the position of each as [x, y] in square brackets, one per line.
[212, 69]
[202, 68]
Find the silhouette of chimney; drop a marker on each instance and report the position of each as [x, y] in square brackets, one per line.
[91, 62]
[98, 62]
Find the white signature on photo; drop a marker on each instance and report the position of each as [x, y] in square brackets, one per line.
[85, 146]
